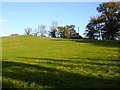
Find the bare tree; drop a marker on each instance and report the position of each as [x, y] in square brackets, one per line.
[28, 31]
[35, 32]
[42, 30]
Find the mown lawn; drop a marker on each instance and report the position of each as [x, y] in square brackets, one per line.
[39, 62]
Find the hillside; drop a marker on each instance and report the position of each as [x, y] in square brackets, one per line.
[39, 62]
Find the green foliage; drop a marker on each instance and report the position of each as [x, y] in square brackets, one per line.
[39, 62]
[105, 26]
[68, 32]
[64, 32]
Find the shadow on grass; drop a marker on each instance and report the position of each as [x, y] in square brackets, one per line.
[5, 85]
[99, 43]
[94, 42]
[74, 61]
[51, 77]
[115, 60]
[60, 60]
[99, 59]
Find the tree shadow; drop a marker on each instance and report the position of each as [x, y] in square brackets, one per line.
[51, 77]
[58, 62]
[99, 43]
[97, 59]
[51, 59]
[5, 85]
[104, 43]
[115, 60]
[74, 61]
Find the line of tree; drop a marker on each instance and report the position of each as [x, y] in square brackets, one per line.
[67, 31]
[41, 31]
[56, 31]
[106, 26]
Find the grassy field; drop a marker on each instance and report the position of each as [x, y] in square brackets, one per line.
[39, 62]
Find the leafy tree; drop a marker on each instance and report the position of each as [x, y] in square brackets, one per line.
[63, 31]
[60, 32]
[110, 12]
[92, 29]
[68, 31]
[105, 26]
[118, 33]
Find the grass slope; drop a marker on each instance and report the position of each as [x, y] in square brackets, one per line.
[39, 62]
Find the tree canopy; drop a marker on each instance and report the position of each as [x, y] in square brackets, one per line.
[107, 24]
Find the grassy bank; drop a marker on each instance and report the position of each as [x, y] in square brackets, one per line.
[39, 62]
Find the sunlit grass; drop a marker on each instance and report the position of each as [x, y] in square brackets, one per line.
[39, 62]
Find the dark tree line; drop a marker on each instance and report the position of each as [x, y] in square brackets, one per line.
[67, 31]
[106, 26]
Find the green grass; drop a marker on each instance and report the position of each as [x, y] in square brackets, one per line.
[39, 62]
